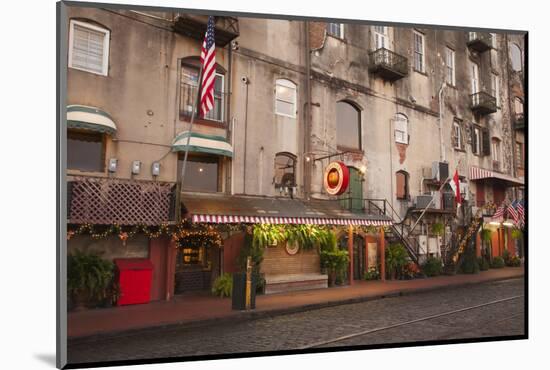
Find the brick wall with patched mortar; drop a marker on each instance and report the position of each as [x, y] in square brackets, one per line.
[278, 262]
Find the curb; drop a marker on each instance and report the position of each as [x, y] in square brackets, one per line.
[242, 316]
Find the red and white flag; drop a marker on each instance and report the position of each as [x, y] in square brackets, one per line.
[208, 62]
[455, 185]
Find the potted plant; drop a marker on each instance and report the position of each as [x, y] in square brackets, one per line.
[438, 228]
[89, 279]
[396, 259]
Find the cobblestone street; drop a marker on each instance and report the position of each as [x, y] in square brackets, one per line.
[308, 328]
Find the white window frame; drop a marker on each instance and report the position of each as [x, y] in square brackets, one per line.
[450, 66]
[495, 87]
[495, 149]
[106, 39]
[475, 78]
[291, 85]
[421, 52]
[478, 144]
[383, 36]
[458, 134]
[222, 99]
[341, 32]
[401, 133]
[494, 40]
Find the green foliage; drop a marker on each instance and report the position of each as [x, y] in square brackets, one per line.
[486, 235]
[497, 262]
[483, 263]
[517, 234]
[372, 273]
[438, 228]
[307, 236]
[396, 259]
[469, 264]
[266, 234]
[333, 260]
[510, 261]
[432, 266]
[328, 241]
[223, 285]
[252, 249]
[89, 277]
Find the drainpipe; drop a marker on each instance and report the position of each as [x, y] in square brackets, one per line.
[246, 81]
[441, 149]
[307, 122]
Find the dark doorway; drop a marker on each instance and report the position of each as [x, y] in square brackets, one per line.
[358, 256]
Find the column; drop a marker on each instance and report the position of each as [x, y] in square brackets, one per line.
[350, 253]
[382, 255]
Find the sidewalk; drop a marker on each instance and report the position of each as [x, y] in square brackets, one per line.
[192, 310]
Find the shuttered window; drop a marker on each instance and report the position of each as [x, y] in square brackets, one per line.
[402, 189]
[88, 48]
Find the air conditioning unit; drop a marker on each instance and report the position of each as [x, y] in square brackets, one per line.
[422, 244]
[437, 200]
[422, 201]
[433, 246]
[440, 171]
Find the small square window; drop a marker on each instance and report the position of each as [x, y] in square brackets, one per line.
[88, 48]
[336, 30]
[85, 151]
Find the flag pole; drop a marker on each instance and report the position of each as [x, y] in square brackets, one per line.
[184, 165]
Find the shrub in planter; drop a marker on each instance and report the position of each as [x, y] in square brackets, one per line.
[90, 279]
[410, 271]
[432, 266]
[497, 262]
[514, 262]
[396, 259]
[372, 273]
[469, 263]
[483, 264]
[223, 285]
[335, 262]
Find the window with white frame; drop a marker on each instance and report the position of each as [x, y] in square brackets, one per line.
[476, 141]
[285, 98]
[495, 149]
[516, 58]
[189, 84]
[419, 63]
[401, 123]
[381, 37]
[475, 78]
[88, 48]
[336, 30]
[457, 136]
[495, 89]
[450, 66]
[494, 40]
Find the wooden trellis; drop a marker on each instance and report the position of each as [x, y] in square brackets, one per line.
[125, 202]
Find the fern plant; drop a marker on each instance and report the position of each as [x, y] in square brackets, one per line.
[223, 285]
[89, 277]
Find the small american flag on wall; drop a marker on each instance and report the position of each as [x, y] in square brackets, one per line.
[208, 62]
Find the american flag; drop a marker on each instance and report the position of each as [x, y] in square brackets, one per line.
[512, 211]
[521, 212]
[208, 62]
[499, 212]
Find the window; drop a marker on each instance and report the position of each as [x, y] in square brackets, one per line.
[85, 151]
[450, 64]
[88, 48]
[336, 30]
[475, 78]
[481, 143]
[495, 145]
[381, 37]
[285, 98]
[515, 57]
[418, 51]
[202, 173]
[402, 185]
[518, 106]
[285, 168]
[495, 88]
[401, 128]
[476, 140]
[348, 126]
[519, 154]
[457, 136]
[494, 40]
[189, 83]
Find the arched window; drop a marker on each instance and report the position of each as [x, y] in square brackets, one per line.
[515, 57]
[402, 185]
[401, 128]
[284, 171]
[285, 98]
[88, 47]
[348, 126]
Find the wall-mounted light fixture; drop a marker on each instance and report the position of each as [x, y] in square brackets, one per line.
[136, 167]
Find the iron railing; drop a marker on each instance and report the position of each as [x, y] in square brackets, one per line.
[194, 26]
[388, 64]
[480, 41]
[519, 122]
[483, 103]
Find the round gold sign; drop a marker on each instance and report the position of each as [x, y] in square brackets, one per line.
[292, 249]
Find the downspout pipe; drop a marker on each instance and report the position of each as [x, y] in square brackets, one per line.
[441, 148]
[307, 124]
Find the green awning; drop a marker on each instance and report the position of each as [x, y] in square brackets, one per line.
[90, 118]
[202, 143]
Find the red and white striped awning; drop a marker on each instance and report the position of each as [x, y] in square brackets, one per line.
[477, 173]
[219, 219]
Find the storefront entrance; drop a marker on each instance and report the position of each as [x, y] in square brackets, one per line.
[358, 256]
[196, 267]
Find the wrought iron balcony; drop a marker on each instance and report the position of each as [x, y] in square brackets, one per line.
[519, 122]
[480, 41]
[387, 64]
[194, 25]
[105, 201]
[483, 103]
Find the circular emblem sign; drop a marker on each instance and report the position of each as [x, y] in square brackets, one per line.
[336, 178]
[292, 249]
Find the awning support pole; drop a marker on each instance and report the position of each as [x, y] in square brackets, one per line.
[382, 255]
[350, 253]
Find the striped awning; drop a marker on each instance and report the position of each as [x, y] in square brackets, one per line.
[477, 173]
[222, 208]
[202, 143]
[225, 219]
[90, 118]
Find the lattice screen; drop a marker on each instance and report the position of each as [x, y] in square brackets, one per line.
[126, 202]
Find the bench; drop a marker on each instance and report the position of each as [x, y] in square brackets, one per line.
[294, 282]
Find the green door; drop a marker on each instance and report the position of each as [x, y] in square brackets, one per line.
[352, 199]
